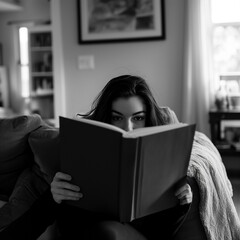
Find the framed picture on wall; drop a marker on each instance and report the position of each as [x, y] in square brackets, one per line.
[102, 21]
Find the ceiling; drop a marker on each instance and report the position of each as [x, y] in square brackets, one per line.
[7, 5]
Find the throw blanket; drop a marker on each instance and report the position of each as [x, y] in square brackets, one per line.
[217, 211]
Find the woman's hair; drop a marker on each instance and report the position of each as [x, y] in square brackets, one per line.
[126, 86]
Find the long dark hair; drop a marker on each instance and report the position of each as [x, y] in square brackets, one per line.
[123, 87]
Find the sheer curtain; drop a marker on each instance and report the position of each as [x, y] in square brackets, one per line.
[198, 73]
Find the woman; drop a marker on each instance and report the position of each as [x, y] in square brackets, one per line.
[126, 102]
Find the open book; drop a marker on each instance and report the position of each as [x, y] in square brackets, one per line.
[125, 175]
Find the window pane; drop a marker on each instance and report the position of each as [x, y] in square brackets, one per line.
[25, 81]
[226, 43]
[23, 38]
[24, 61]
[224, 11]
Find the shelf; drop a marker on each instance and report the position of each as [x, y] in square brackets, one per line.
[42, 74]
[217, 115]
[229, 150]
[230, 76]
[42, 93]
[41, 38]
[41, 49]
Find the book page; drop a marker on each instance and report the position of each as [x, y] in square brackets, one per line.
[136, 132]
[100, 124]
[140, 132]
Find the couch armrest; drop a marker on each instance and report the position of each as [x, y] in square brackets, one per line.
[15, 154]
[28, 189]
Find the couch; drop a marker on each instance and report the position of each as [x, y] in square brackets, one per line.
[25, 178]
[29, 158]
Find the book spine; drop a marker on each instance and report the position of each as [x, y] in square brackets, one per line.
[128, 165]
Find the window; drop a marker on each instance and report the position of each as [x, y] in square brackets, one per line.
[226, 35]
[226, 45]
[24, 61]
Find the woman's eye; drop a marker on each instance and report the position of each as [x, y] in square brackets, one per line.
[139, 118]
[116, 118]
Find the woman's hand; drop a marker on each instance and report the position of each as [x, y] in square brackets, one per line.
[63, 190]
[184, 194]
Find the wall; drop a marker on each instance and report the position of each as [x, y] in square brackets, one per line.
[33, 10]
[160, 62]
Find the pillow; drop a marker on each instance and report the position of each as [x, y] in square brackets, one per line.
[15, 154]
[45, 144]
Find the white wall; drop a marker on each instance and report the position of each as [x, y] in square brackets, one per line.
[159, 62]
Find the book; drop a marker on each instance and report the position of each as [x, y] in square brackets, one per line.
[125, 175]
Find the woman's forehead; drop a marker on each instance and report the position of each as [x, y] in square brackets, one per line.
[129, 105]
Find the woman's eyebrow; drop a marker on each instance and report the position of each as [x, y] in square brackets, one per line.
[136, 113]
[114, 111]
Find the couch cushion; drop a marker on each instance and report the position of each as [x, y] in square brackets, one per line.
[44, 143]
[15, 154]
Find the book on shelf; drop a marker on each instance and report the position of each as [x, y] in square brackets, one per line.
[125, 175]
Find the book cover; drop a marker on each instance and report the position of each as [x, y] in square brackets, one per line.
[125, 175]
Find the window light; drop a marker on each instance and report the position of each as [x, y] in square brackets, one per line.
[24, 61]
[225, 11]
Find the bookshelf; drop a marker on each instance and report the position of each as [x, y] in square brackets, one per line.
[41, 71]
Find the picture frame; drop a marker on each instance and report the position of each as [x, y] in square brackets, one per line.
[104, 21]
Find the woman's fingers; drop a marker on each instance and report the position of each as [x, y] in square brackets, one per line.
[68, 198]
[62, 176]
[183, 189]
[185, 200]
[65, 185]
[184, 194]
[67, 193]
[59, 198]
[61, 195]
[63, 190]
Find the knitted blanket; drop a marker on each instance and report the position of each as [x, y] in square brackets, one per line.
[217, 211]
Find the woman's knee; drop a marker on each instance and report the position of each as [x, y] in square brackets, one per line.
[113, 230]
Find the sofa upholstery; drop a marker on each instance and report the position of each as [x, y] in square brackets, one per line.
[15, 154]
[29, 158]
[24, 178]
[17, 181]
[45, 144]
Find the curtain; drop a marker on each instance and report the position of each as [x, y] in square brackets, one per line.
[198, 71]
